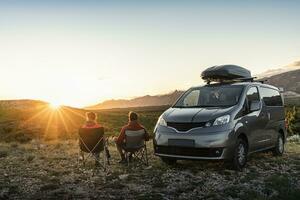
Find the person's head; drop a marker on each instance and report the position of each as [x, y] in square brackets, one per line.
[215, 94]
[132, 116]
[91, 116]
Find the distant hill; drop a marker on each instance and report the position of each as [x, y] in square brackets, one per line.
[21, 104]
[291, 67]
[23, 120]
[289, 81]
[145, 101]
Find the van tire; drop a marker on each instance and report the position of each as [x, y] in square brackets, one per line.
[278, 150]
[169, 161]
[240, 155]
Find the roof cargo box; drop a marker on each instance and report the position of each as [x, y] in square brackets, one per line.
[225, 73]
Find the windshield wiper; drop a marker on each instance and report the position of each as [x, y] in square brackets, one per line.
[205, 106]
[201, 106]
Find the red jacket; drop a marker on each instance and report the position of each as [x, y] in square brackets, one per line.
[132, 126]
[91, 124]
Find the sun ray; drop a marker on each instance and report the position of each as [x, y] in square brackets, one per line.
[60, 114]
[50, 119]
[76, 113]
[36, 115]
[68, 117]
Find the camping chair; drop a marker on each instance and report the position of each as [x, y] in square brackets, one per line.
[135, 146]
[92, 141]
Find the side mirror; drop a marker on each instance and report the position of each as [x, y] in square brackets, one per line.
[254, 106]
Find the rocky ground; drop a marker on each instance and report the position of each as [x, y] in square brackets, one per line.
[51, 171]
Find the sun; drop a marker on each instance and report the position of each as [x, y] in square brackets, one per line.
[54, 105]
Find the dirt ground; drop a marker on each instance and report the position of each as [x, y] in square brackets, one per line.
[50, 170]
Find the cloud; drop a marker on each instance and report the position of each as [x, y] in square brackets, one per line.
[294, 64]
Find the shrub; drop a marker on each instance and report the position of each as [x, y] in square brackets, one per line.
[293, 121]
[294, 139]
[3, 154]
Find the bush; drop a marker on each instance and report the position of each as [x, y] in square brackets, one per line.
[293, 120]
[294, 139]
[3, 154]
[18, 136]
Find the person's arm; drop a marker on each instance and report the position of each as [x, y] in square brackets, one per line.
[146, 135]
[121, 136]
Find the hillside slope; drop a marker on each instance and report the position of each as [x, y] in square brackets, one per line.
[289, 81]
[272, 72]
[145, 101]
[23, 120]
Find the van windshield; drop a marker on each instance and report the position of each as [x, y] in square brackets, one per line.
[210, 96]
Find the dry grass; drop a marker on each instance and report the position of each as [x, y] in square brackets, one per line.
[50, 170]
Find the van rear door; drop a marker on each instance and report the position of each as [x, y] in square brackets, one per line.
[273, 104]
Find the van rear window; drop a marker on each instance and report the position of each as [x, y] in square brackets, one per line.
[270, 97]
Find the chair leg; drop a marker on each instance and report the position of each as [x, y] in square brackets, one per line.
[127, 158]
[107, 154]
[79, 157]
[97, 159]
[104, 160]
[83, 159]
[146, 154]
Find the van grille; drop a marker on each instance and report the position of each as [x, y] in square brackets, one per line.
[185, 126]
[187, 151]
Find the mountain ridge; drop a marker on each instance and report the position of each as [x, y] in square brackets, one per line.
[143, 101]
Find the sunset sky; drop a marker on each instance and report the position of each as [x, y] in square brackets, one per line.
[79, 53]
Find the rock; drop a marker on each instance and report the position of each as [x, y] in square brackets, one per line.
[228, 172]
[3, 154]
[123, 176]
[149, 167]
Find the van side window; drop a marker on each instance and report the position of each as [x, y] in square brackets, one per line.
[252, 95]
[192, 98]
[271, 97]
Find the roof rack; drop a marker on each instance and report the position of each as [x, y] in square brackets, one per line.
[262, 80]
[251, 79]
[248, 79]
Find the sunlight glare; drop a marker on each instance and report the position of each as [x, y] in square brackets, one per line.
[54, 105]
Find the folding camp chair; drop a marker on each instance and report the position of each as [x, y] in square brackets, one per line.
[135, 146]
[92, 141]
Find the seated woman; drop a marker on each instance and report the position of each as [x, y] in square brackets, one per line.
[91, 123]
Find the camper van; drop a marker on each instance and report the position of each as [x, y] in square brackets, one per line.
[227, 119]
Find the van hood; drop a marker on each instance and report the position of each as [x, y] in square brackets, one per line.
[186, 115]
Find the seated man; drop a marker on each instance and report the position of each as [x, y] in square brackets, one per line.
[132, 125]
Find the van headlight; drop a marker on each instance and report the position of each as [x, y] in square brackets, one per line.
[222, 120]
[162, 121]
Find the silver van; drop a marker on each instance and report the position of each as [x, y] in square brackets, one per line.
[222, 121]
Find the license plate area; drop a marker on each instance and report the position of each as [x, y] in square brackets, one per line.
[181, 143]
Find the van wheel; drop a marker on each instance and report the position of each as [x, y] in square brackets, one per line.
[240, 155]
[279, 148]
[169, 161]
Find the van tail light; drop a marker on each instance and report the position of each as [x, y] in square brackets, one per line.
[286, 124]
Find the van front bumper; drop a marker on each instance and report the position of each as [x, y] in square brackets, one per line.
[207, 145]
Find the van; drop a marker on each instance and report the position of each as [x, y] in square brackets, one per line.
[226, 120]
